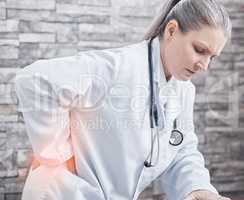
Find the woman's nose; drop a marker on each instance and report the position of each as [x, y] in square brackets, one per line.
[206, 63]
[203, 65]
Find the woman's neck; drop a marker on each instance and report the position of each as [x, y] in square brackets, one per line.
[162, 56]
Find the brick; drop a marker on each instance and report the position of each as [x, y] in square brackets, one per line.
[2, 127]
[97, 45]
[32, 26]
[237, 22]
[67, 1]
[35, 37]
[222, 82]
[7, 75]
[221, 118]
[17, 136]
[114, 37]
[23, 172]
[92, 19]
[239, 65]
[2, 193]
[8, 118]
[8, 109]
[215, 158]
[9, 25]
[29, 51]
[236, 41]
[9, 35]
[145, 11]
[31, 4]
[74, 9]
[3, 141]
[29, 15]
[13, 196]
[236, 15]
[13, 188]
[15, 128]
[15, 63]
[238, 33]
[236, 150]
[3, 10]
[231, 187]
[24, 158]
[48, 16]
[7, 168]
[57, 50]
[134, 25]
[217, 64]
[9, 42]
[95, 2]
[100, 28]
[100, 33]
[7, 94]
[2, 13]
[68, 34]
[9, 52]
[241, 118]
[209, 98]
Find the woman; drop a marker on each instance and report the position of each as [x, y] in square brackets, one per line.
[100, 122]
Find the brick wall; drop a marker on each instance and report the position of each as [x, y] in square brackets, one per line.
[34, 29]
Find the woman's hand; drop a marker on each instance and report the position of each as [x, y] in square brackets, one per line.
[70, 164]
[204, 195]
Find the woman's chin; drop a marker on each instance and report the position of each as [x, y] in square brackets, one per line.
[183, 77]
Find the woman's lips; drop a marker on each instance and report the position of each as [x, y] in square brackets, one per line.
[190, 71]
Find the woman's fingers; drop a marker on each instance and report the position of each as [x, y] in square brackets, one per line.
[205, 195]
[35, 164]
[70, 164]
[223, 198]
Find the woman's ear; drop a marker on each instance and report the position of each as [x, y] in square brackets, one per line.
[170, 29]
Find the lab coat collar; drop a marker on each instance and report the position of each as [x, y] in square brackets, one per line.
[159, 73]
[169, 90]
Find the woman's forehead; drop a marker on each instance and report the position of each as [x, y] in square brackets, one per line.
[212, 38]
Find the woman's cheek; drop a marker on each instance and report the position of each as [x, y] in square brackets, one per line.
[190, 60]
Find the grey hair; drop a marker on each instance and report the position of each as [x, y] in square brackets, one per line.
[190, 15]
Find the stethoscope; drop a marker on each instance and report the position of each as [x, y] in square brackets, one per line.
[176, 137]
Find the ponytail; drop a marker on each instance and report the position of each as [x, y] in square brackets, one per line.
[158, 21]
[190, 15]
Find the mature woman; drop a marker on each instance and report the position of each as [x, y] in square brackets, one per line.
[104, 124]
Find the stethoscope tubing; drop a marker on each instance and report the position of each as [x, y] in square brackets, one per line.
[153, 116]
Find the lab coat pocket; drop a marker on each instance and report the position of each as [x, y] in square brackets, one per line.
[67, 185]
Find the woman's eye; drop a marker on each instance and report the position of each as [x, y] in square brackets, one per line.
[199, 50]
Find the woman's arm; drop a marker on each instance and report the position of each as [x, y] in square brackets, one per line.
[187, 172]
[45, 99]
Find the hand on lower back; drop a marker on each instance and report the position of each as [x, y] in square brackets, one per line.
[70, 165]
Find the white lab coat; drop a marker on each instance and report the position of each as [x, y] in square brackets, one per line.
[94, 105]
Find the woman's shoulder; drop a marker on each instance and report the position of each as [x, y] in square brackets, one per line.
[187, 85]
[187, 90]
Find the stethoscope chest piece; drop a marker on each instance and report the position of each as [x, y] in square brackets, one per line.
[176, 138]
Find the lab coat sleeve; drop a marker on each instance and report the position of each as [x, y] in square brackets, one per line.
[187, 172]
[47, 90]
